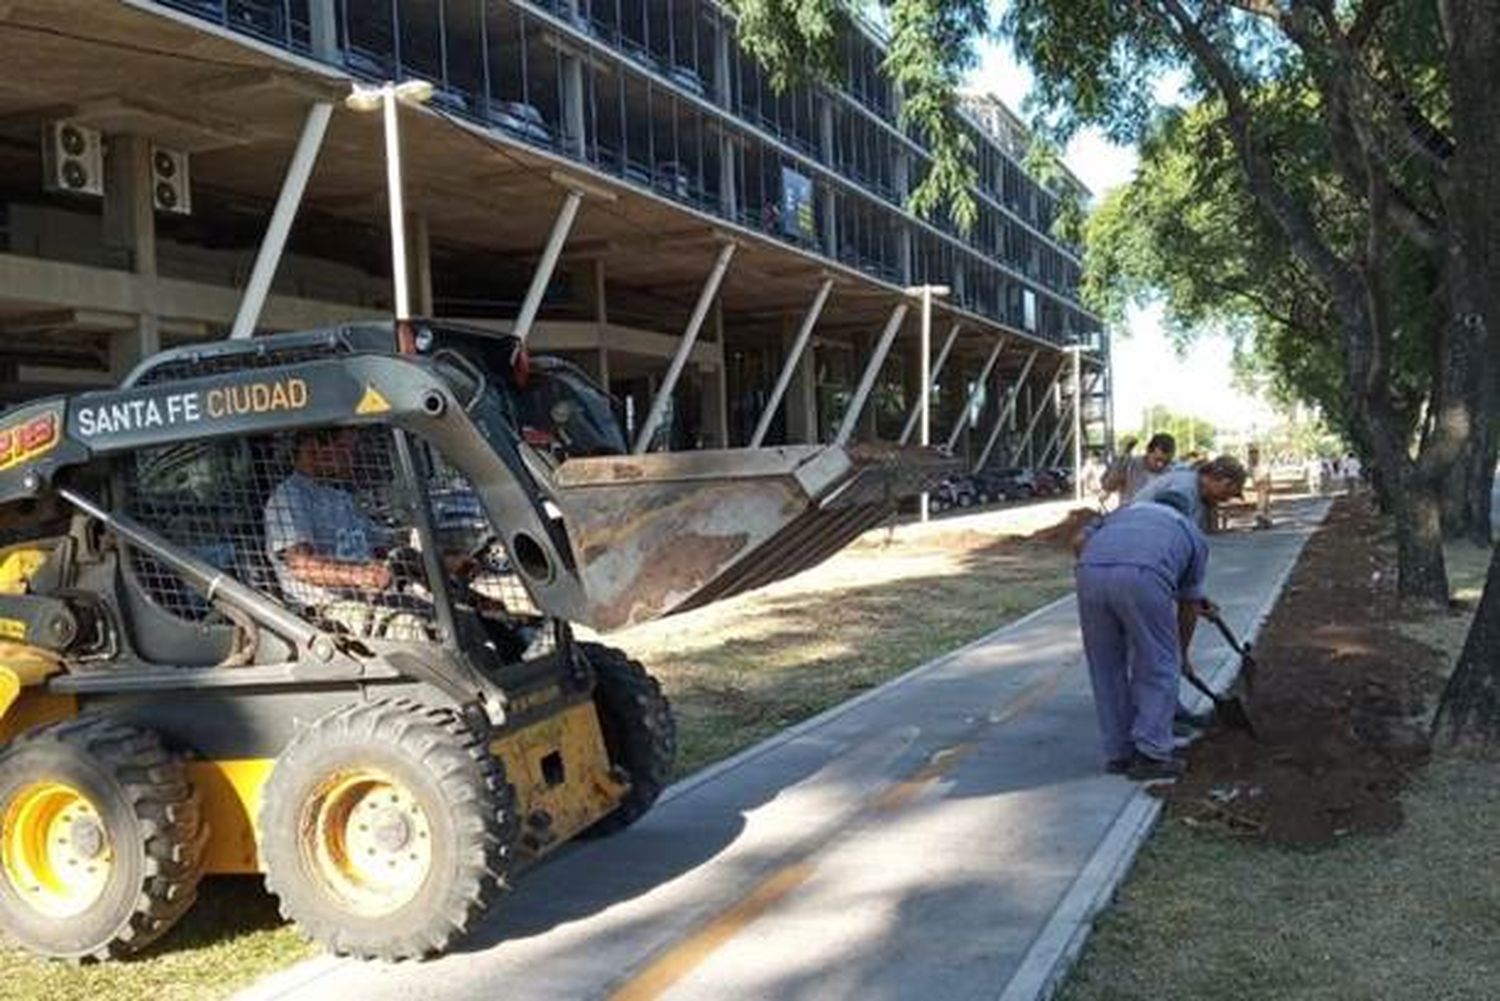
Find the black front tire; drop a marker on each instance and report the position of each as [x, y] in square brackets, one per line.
[114, 804]
[639, 732]
[390, 783]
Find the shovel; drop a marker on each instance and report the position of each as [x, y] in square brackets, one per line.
[1248, 666]
[1228, 708]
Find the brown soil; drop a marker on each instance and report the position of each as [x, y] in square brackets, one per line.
[1063, 533]
[1337, 701]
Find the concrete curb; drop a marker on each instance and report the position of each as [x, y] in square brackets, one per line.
[1060, 941]
[1052, 954]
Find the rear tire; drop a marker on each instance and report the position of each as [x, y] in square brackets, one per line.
[639, 732]
[103, 839]
[387, 830]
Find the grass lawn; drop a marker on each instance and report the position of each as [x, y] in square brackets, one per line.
[736, 672]
[1414, 914]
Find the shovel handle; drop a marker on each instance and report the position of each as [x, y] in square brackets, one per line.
[1199, 683]
[1227, 633]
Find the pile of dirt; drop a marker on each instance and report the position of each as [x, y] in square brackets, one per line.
[1063, 533]
[1338, 703]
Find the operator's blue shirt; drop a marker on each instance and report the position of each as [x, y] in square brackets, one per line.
[302, 511]
[1156, 538]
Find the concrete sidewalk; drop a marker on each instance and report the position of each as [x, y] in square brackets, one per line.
[948, 835]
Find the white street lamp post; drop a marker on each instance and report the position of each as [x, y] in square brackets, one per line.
[385, 98]
[924, 424]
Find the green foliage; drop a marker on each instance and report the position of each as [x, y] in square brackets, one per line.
[1191, 433]
[1187, 232]
[931, 47]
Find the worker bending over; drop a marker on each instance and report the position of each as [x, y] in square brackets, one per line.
[1140, 574]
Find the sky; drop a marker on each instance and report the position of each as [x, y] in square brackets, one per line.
[1147, 369]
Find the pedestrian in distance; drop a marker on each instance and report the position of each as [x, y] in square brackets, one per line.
[1129, 473]
[1140, 576]
[1260, 478]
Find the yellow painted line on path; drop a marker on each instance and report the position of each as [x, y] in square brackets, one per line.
[692, 952]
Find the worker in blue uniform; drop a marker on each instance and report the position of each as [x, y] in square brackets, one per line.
[1140, 575]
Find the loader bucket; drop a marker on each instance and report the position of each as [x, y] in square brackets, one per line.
[666, 532]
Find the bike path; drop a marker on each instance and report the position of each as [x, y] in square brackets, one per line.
[948, 835]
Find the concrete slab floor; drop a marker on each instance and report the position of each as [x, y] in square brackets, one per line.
[946, 836]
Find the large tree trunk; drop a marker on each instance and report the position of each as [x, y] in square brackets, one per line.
[1470, 706]
[1421, 568]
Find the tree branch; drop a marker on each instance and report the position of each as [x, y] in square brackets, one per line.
[1293, 218]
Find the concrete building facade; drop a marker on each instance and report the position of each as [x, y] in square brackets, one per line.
[147, 141]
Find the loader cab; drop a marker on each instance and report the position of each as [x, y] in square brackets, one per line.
[234, 503]
[561, 411]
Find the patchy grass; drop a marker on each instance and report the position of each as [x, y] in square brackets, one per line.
[1415, 914]
[741, 670]
[1412, 914]
[232, 936]
[736, 672]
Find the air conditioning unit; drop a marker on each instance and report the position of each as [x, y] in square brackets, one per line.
[72, 158]
[170, 190]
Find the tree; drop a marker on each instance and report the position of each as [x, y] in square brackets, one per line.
[1192, 434]
[1470, 704]
[1406, 100]
[1187, 232]
[1366, 71]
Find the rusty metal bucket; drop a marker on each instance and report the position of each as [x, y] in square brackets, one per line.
[666, 532]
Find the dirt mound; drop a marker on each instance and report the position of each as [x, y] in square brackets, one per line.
[1062, 533]
[1337, 702]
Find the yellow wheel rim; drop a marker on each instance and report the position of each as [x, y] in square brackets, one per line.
[366, 838]
[55, 849]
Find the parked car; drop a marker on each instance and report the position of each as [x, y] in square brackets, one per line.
[521, 119]
[687, 78]
[955, 491]
[1010, 483]
[1051, 482]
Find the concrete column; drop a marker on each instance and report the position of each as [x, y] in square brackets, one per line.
[903, 253]
[714, 397]
[130, 225]
[729, 199]
[419, 258]
[801, 403]
[830, 234]
[598, 300]
[323, 24]
[572, 103]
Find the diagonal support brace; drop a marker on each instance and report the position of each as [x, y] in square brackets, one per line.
[804, 334]
[280, 225]
[974, 394]
[1007, 410]
[912, 418]
[542, 276]
[872, 370]
[689, 338]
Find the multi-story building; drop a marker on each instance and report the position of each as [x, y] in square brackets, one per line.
[146, 140]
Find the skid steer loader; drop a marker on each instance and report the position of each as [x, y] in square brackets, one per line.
[303, 605]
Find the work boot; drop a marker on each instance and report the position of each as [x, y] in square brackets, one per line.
[1144, 768]
[1117, 766]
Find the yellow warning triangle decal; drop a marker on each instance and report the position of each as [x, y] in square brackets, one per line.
[372, 402]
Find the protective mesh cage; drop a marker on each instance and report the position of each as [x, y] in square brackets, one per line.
[317, 520]
[322, 522]
[464, 530]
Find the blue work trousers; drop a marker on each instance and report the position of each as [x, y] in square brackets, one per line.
[1129, 620]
